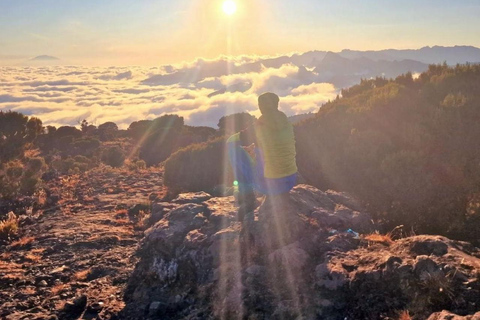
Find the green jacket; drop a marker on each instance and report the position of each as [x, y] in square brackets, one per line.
[273, 135]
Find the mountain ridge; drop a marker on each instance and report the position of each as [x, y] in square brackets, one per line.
[44, 57]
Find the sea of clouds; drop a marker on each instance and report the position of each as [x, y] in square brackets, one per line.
[201, 91]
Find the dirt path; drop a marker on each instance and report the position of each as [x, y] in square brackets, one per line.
[74, 259]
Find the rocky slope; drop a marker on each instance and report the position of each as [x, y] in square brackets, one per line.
[296, 259]
[75, 256]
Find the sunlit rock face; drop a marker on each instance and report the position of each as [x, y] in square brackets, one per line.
[294, 258]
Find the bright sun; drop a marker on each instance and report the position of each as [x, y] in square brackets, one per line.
[229, 7]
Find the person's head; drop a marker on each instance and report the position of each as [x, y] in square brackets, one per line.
[268, 102]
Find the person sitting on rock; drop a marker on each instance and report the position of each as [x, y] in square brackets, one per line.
[272, 169]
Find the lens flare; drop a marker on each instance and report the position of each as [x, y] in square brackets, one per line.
[229, 7]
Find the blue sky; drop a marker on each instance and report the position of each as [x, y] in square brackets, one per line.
[111, 32]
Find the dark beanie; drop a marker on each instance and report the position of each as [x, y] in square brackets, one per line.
[268, 101]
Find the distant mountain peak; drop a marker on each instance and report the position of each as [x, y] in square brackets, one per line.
[44, 58]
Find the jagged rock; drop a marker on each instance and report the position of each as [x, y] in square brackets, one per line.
[345, 199]
[445, 315]
[286, 262]
[192, 197]
[394, 277]
[159, 210]
[75, 308]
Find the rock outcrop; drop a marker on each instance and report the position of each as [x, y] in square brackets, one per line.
[296, 258]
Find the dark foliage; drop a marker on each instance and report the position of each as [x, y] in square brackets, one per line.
[107, 131]
[160, 139]
[410, 149]
[20, 179]
[113, 156]
[198, 167]
[16, 130]
[231, 124]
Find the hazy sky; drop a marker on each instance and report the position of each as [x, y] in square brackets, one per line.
[152, 32]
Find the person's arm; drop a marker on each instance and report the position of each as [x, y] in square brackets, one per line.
[245, 137]
[248, 136]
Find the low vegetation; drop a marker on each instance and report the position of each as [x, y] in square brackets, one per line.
[408, 148]
[200, 167]
[8, 227]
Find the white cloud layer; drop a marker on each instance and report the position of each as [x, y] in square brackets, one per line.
[201, 91]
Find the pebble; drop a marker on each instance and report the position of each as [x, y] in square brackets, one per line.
[97, 306]
[43, 283]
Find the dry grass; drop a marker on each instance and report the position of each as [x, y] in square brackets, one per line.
[41, 197]
[6, 255]
[437, 284]
[121, 214]
[93, 238]
[10, 271]
[58, 289]
[9, 227]
[33, 257]
[23, 242]
[28, 291]
[82, 275]
[31, 153]
[405, 315]
[376, 237]
[121, 222]
[142, 223]
[38, 250]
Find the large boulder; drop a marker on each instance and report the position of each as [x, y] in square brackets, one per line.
[445, 315]
[296, 257]
[422, 274]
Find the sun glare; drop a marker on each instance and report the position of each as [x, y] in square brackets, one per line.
[229, 7]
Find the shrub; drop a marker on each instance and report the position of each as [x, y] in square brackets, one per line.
[140, 165]
[16, 130]
[200, 167]
[233, 123]
[113, 156]
[85, 146]
[409, 149]
[35, 165]
[28, 185]
[161, 139]
[63, 166]
[107, 131]
[19, 179]
[8, 227]
[10, 180]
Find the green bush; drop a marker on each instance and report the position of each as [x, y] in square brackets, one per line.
[17, 179]
[408, 148]
[36, 164]
[85, 146]
[233, 123]
[199, 167]
[113, 156]
[107, 131]
[161, 139]
[16, 130]
[28, 185]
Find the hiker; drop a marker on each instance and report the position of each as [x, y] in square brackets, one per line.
[272, 169]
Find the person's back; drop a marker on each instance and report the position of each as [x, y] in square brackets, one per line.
[276, 142]
[274, 170]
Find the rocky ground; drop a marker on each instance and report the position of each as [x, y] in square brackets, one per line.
[74, 257]
[297, 258]
[311, 255]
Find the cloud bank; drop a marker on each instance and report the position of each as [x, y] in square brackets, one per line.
[202, 91]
